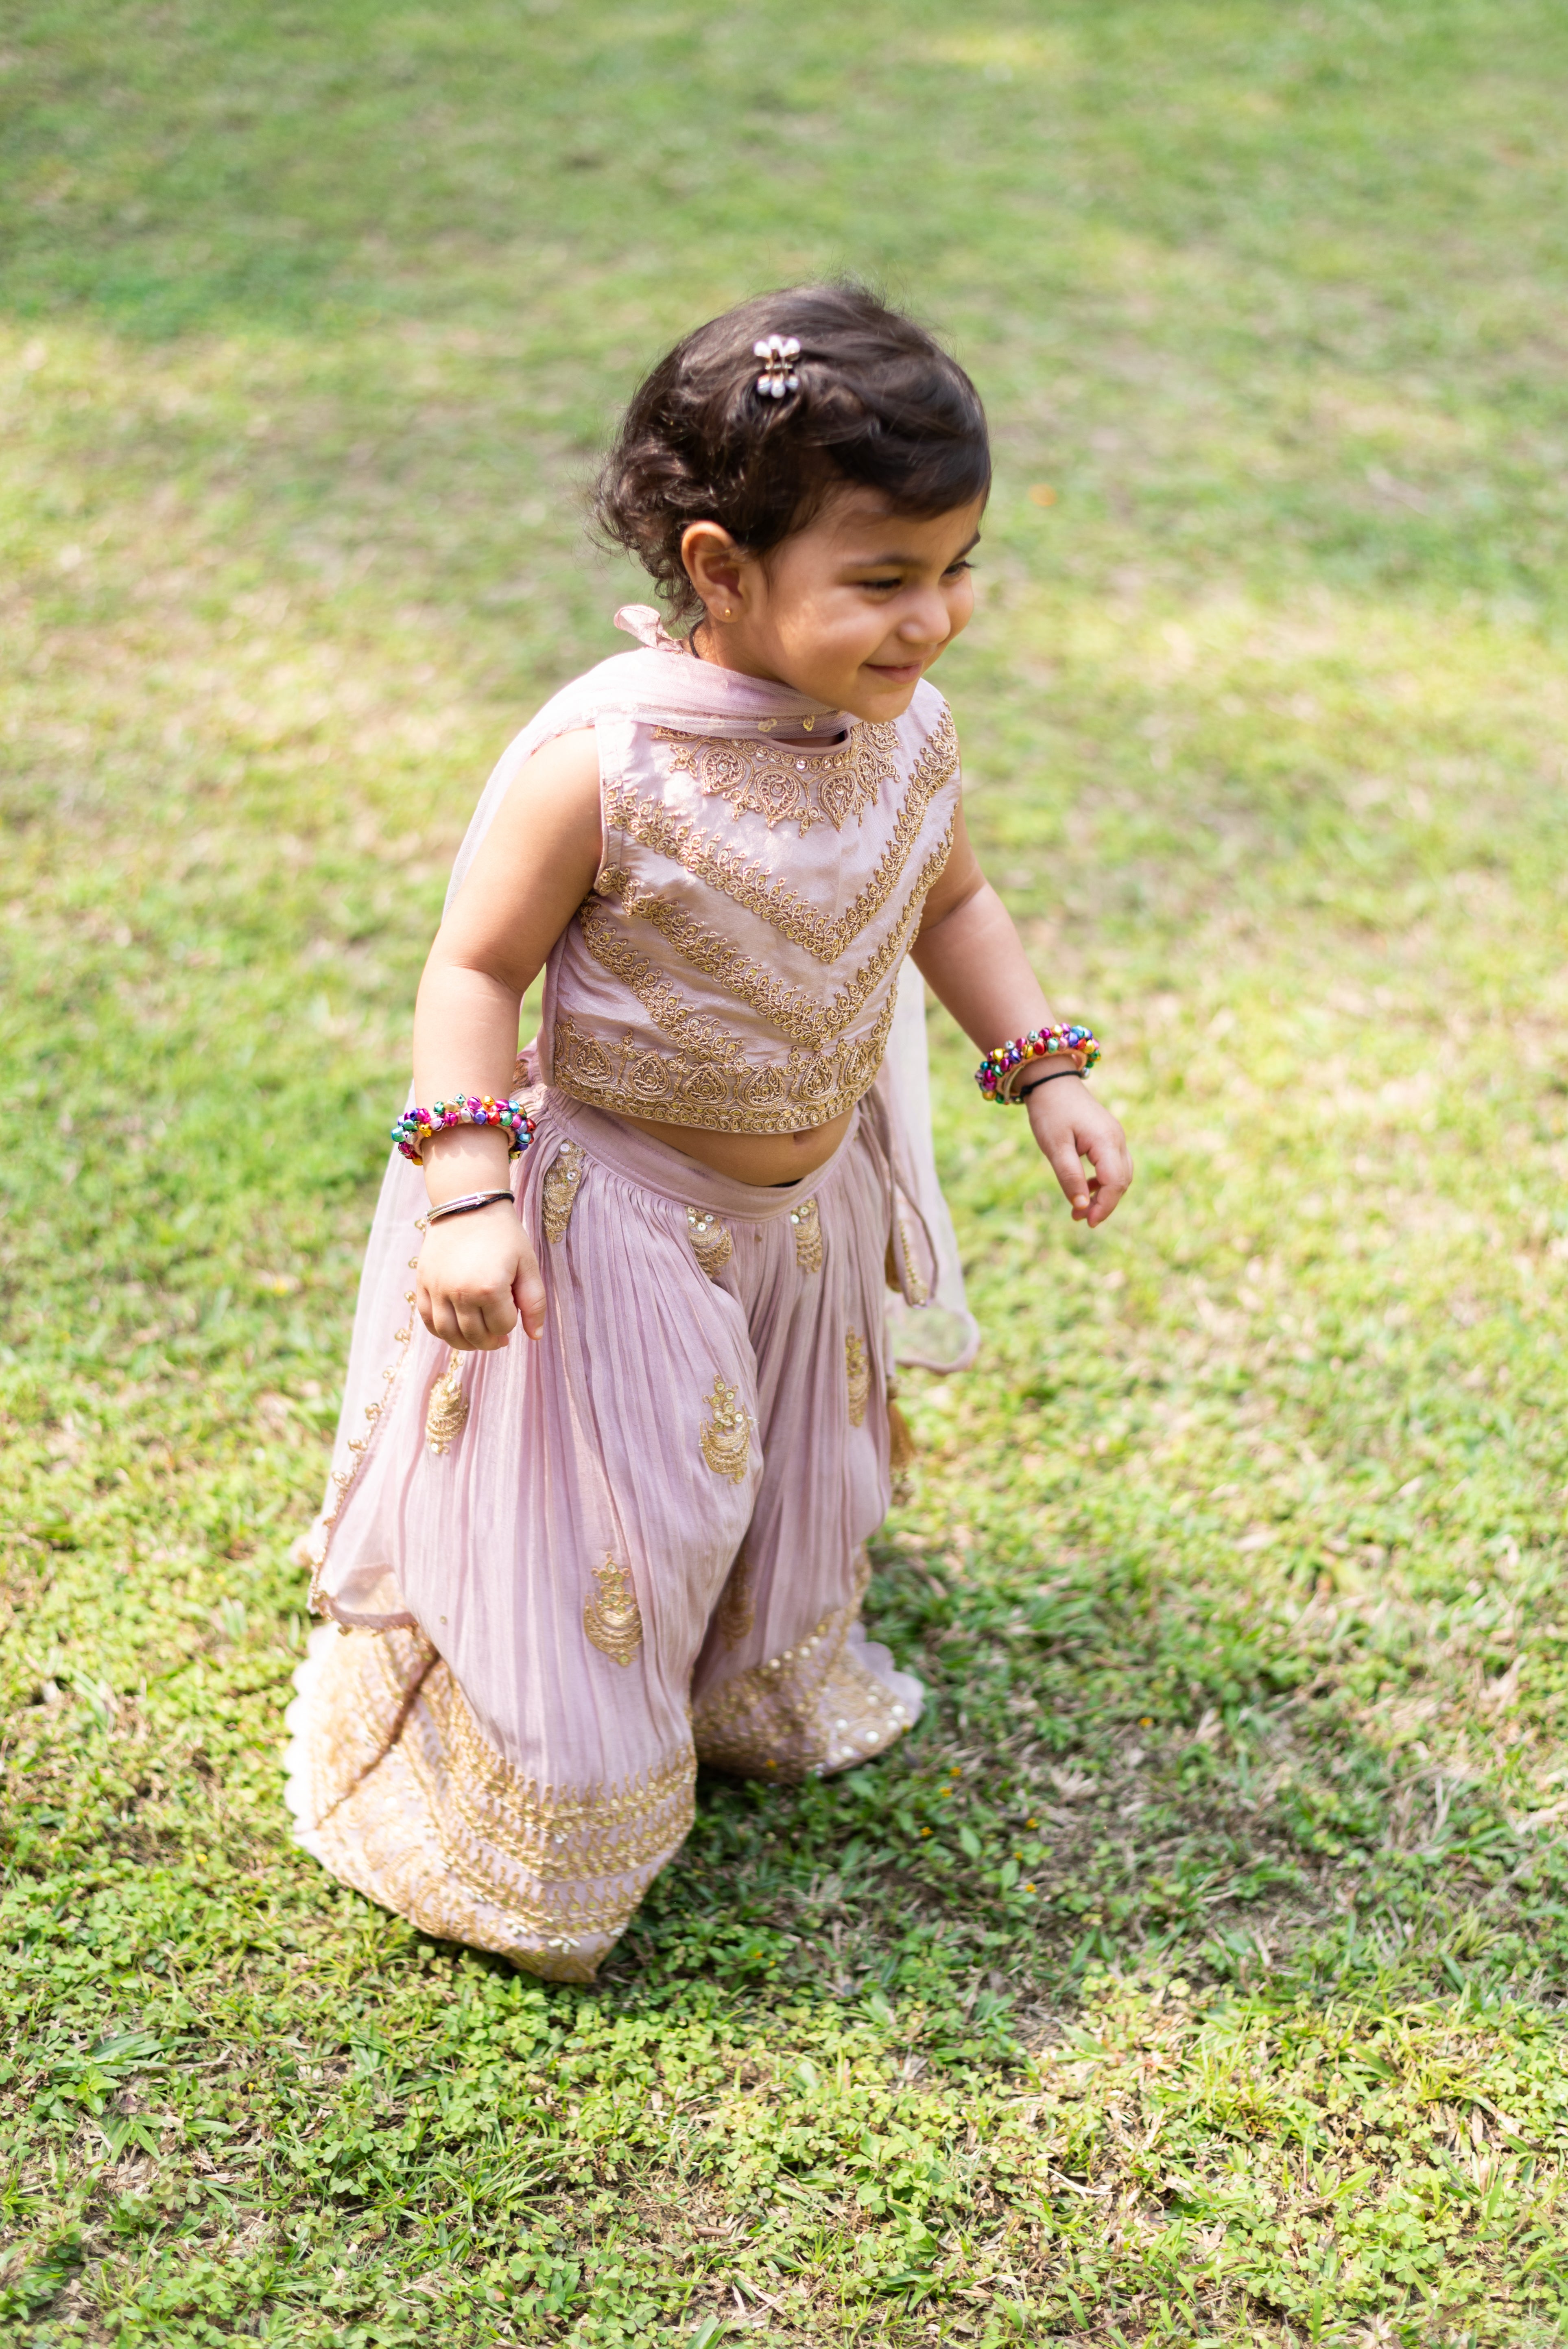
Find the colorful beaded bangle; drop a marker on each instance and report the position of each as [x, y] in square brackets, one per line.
[998, 1072]
[416, 1126]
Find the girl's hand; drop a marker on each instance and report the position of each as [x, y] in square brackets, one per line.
[476, 1274]
[1070, 1125]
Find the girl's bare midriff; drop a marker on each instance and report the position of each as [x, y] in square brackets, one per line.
[759, 1158]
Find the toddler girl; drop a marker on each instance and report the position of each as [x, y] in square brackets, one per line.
[614, 1439]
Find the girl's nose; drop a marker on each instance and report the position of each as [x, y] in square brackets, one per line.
[926, 622]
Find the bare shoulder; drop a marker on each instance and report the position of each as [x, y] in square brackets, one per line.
[568, 764]
[535, 865]
[553, 799]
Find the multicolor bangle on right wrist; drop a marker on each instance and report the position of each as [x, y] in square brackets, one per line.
[997, 1075]
[416, 1126]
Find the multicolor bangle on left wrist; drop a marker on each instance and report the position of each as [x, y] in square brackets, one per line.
[997, 1075]
[416, 1126]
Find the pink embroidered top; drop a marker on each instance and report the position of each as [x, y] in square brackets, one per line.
[763, 874]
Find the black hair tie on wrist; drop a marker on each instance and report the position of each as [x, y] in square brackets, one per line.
[1024, 1091]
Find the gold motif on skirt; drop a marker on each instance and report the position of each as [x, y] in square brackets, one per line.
[711, 1243]
[447, 1413]
[808, 1235]
[562, 1184]
[857, 1367]
[613, 1618]
[737, 1611]
[726, 1439]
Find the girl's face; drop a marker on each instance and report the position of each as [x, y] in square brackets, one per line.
[851, 610]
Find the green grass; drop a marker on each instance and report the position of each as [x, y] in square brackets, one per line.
[1194, 1972]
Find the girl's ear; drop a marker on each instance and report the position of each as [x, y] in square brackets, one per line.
[713, 564]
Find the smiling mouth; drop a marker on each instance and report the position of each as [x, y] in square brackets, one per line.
[894, 668]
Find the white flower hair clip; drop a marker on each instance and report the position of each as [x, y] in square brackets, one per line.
[777, 374]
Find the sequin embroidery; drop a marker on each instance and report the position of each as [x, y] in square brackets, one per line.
[858, 1368]
[725, 1440]
[612, 1617]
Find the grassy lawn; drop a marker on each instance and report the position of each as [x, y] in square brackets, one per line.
[1194, 1972]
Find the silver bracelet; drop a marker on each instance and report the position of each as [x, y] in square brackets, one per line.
[466, 1203]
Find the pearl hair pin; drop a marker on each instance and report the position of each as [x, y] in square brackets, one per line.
[777, 374]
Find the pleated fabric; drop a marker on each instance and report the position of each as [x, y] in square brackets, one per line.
[561, 1573]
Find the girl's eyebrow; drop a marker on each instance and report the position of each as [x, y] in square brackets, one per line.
[906, 561]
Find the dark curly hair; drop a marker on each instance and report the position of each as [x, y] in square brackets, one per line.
[879, 404]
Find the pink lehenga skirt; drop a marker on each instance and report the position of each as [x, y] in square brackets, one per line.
[563, 1573]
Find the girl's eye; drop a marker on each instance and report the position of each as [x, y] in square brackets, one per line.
[954, 569]
[880, 583]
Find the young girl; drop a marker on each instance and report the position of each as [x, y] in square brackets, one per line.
[615, 1436]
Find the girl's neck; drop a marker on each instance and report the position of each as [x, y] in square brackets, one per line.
[704, 645]
[713, 654]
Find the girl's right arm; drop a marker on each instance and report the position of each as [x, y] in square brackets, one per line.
[535, 865]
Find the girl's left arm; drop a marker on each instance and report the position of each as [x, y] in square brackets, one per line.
[970, 956]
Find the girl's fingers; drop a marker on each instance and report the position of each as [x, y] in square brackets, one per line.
[1067, 1168]
[477, 1324]
[497, 1316]
[528, 1294]
[436, 1315]
[1113, 1173]
[1091, 1196]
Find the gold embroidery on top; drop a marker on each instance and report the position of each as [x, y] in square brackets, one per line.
[726, 1440]
[716, 1081]
[790, 1008]
[447, 1413]
[721, 1095]
[612, 1617]
[561, 1188]
[657, 827]
[776, 782]
[711, 1243]
[737, 1612]
[808, 1235]
[814, 1708]
[695, 1031]
[858, 1368]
